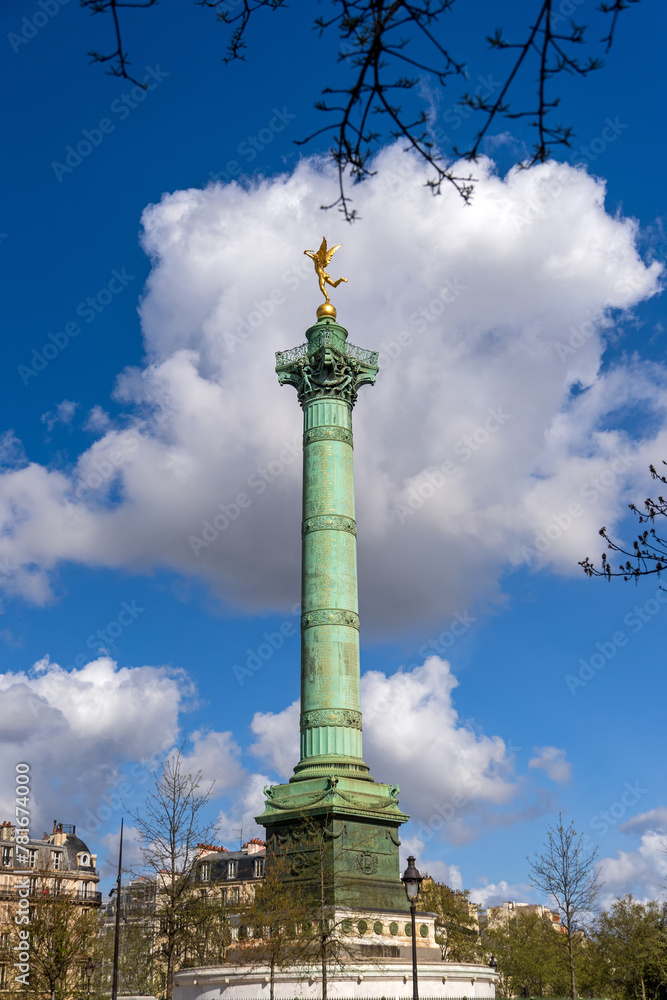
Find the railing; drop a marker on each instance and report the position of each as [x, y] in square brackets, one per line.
[289, 357]
[36, 871]
[93, 897]
[325, 339]
[39, 891]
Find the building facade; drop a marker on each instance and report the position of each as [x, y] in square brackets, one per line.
[59, 866]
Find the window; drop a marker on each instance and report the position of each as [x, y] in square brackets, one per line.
[231, 895]
[205, 872]
[56, 858]
[3, 975]
[32, 858]
[231, 869]
[6, 857]
[85, 890]
[258, 867]
[57, 886]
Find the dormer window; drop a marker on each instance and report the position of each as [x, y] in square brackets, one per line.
[56, 860]
[231, 869]
[258, 867]
[6, 857]
[84, 860]
[205, 872]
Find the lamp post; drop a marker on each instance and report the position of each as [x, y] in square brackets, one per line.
[412, 880]
[89, 971]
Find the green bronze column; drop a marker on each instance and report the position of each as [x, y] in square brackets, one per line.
[327, 372]
[331, 793]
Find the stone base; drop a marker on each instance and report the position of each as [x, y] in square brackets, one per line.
[381, 967]
[386, 978]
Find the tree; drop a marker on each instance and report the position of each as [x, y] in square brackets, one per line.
[207, 929]
[648, 556]
[63, 936]
[531, 956]
[171, 829]
[456, 927]
[567, 872]
[631, 940]
[272, 923]
[137, 941]
[385, 49]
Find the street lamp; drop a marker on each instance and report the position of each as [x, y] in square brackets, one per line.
[411, 879]
[89, 971]
[493, 965]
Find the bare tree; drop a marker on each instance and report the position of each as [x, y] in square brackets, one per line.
[648, 556]
[172, 826]
[271, 926]
[385, 48]
[568, 873]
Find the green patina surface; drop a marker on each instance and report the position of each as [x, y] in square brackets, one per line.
[332, 796]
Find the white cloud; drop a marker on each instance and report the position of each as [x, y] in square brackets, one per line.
[643, 871]
[278, 739]
[64, 414]
[217, 756]
[98, 420]
[455, 782]
[655, 820]
[496, 893]
[237, 821]
[436, 868]
[486, 318]
[91, 721]
[552, 761]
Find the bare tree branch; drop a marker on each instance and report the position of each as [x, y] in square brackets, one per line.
[648, 556]
[376, 35]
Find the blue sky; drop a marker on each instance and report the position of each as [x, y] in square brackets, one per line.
[155, 407]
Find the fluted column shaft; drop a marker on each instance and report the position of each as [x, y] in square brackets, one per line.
[327, 372]
[330, 700]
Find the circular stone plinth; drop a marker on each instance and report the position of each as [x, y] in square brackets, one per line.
[358, 981]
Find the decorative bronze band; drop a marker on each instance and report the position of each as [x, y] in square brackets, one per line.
[324, 522]
[328, 433]
[330, 616]
[331, 717]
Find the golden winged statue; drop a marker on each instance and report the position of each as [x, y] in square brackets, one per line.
[321, 259]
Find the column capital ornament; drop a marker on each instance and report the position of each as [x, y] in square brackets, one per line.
[327, 366]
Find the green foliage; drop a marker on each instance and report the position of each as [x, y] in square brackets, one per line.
[531, 955]
[630, 944]
[63, 936]
[136, 958]
[456, 927]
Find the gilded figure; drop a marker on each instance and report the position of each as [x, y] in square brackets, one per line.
[321, 259]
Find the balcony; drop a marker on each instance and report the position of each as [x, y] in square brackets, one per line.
[40, 891]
